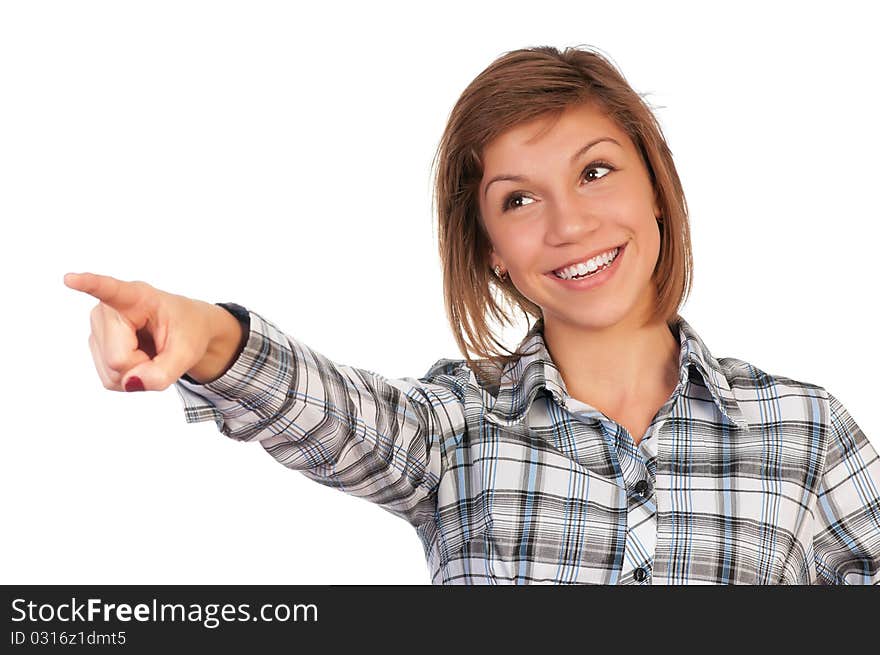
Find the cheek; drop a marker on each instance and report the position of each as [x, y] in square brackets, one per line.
[635, 215]
[518, 247]
[525, 247]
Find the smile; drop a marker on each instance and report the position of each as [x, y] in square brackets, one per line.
[589, 266]
[591, 273]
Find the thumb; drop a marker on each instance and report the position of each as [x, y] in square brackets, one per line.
[160, 372]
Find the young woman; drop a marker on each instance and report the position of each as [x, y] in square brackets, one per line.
[611, 446]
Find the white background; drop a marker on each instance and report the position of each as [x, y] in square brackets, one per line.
[277, 154]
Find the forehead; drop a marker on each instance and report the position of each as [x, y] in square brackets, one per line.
[556, 136]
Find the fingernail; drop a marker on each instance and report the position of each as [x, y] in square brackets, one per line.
[134, 384]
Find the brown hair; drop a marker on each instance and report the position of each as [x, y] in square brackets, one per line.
[520, 86]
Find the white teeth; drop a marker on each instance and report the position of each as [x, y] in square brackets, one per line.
[600, 261]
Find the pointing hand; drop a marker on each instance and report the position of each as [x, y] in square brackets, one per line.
[141, 332]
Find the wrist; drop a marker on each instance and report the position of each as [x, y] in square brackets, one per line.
[229, 334]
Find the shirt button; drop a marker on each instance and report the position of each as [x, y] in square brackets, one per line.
[642, 487]
[640, 574]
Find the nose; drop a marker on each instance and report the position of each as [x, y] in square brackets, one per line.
[570, 217]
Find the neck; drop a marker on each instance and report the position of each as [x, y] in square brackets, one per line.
[615, 366]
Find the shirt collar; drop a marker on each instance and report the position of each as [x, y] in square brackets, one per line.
[525, 376]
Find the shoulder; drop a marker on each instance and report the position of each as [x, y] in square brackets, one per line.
[444, 367]
[745, 377]
[795, 410]
[773, 401]
[783, 404]
[461, 377]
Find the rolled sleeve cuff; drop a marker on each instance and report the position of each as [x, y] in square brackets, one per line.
[252, 391]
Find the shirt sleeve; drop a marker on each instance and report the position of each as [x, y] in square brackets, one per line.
[846, 543]
[349, 428]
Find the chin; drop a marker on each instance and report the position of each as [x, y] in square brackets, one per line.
[589, 318]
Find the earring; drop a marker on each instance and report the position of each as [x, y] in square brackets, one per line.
[499, 274]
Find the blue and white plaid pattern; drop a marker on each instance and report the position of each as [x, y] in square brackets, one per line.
[742, 477]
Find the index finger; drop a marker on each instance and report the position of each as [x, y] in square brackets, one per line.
[116, 293]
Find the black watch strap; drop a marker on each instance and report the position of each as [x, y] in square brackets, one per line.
[236, 310]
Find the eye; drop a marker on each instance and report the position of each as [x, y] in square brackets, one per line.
[596, 165]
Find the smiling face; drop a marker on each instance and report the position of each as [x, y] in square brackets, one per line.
[567, 205]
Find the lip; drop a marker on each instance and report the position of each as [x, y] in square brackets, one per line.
[594, 280]
[586, 257]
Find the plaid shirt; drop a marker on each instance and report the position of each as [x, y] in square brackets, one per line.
[742, 477]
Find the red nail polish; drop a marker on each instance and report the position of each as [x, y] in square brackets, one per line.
[134, 384]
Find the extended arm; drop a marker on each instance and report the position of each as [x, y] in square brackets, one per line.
[377, 438]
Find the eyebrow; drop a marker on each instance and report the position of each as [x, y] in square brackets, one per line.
[574, 158]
